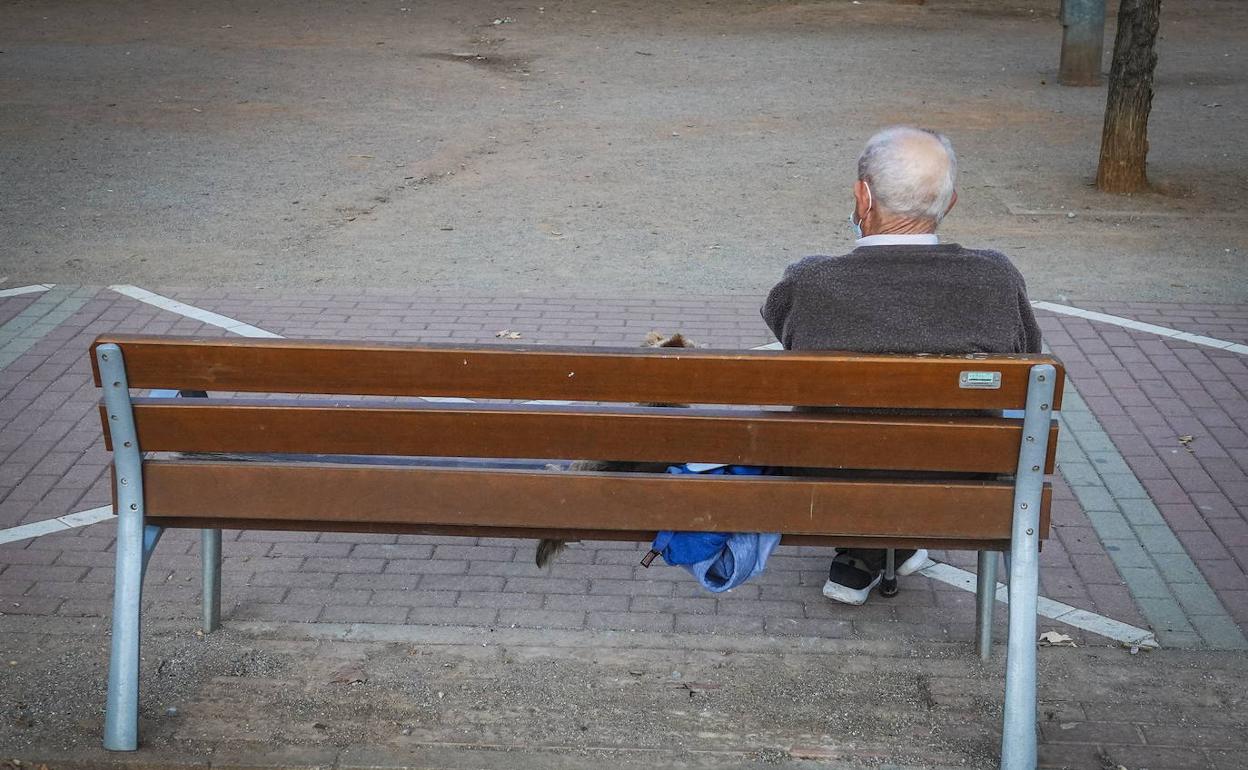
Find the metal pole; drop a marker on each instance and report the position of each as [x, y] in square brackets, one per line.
[985, 600]
[121, 715]
[1083, 42]
[1018, 734]
[210, 554]
[151, 536]
[888, 585]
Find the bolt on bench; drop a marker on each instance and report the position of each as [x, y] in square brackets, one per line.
[390, 473]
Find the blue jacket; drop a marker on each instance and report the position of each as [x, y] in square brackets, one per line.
[719, 560]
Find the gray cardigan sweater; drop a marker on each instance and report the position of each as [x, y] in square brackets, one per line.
[941, 298]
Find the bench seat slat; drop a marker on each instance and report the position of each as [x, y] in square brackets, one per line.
[657, 375]
[568, 500]
[754, 437]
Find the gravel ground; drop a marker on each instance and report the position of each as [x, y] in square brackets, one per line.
[668, 700]
[587, 145]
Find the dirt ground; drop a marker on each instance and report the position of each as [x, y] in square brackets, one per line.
[596, 146]
[266, 695]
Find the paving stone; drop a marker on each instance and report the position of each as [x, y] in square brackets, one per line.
[1145, 582]
[335, 613]
[1165, 614]
[533, 618]
[631, 621]
[1179, 573]
[1141, 513]
[1110, 524]
[1159, 540]
[453, 616]
[1219, 631]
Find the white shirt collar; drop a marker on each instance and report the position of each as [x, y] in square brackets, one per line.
[907, 239]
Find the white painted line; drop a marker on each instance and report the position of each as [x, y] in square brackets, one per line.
[1055, 610]
[35, 289]
[190, 311]
[1128, 323]
[34, 529]
[92, 516]
[58, 524]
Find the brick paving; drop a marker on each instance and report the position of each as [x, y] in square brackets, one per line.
[1227, 322]
[10, 307]
[60, 467]
[1144, 391]
[1178, 413]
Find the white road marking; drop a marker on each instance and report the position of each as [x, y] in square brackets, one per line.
[1127, 323]
[35, 289]
[190, 311]
[58, 524]
[1064, 613]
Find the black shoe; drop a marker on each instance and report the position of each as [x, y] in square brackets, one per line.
[850, 579]
[855, 571]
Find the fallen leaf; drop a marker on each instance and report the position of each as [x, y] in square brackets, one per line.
[507, 334]
[1054, 639]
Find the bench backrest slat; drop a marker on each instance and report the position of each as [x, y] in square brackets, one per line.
[507, 498]
[740, 436]
[659, 375]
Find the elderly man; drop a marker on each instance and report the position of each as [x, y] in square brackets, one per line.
[900, 291]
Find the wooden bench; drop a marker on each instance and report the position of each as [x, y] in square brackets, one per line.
[382, 485]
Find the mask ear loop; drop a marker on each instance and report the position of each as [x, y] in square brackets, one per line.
[870, 205]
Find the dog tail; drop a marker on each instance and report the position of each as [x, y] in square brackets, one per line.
[548, 549]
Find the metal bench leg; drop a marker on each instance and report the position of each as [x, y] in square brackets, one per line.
[210, 552]
[888, 585]
[1018, 738]
[985, 599]
[121, 716]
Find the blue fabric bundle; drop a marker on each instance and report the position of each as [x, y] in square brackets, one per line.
[719, 560]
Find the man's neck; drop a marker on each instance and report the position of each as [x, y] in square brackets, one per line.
[900, 227]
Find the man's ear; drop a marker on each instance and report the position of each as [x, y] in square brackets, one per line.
[862, 200]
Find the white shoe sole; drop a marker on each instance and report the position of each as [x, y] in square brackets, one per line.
[914, 563]
[846, 595]
[911, 565]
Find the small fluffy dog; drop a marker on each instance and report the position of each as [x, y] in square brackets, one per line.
[547, 549]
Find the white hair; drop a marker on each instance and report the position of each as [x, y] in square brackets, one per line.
[906, 176]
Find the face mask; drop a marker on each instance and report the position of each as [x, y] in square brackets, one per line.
[857, 226]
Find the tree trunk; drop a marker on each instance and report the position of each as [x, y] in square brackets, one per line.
[1124, 141]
